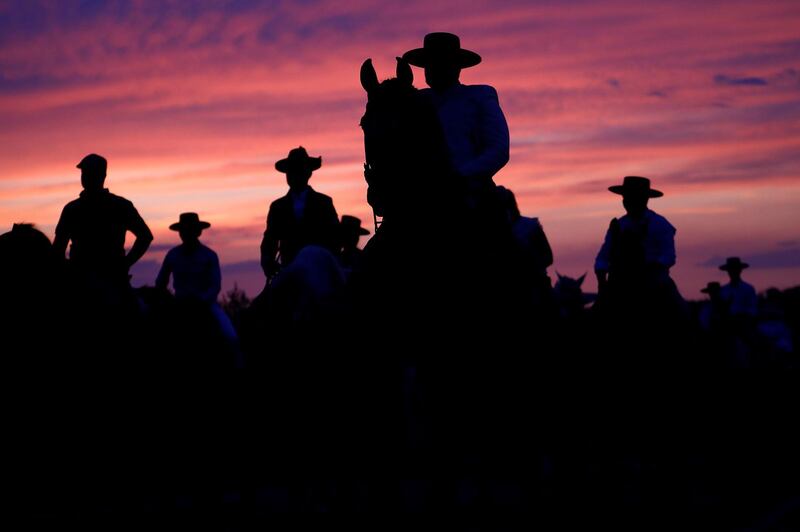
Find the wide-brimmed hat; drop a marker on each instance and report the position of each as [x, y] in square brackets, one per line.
[189, 220]
[634, 184]
[734, 263]
[442, 47]
[298, 158]
[351, 224]
[711, 288]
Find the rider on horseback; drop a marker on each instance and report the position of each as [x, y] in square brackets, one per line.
[474, 126]
[300, 218]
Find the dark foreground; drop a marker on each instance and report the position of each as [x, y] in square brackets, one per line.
[564, 451]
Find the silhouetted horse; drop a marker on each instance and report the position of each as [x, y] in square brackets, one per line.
[410, 184]
[409, 276]
[413, 187]
[180, 334]
[436, 275]
[574, 336]
[570, 296]
[407, 167]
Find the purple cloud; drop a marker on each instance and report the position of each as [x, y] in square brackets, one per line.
[144, 272]
[154, 248]
[783, 257]
[722, 79]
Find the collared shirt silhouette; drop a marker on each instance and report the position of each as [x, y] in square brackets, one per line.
[300, 218]
[474, 126]
[193, 266]
[739, 297]
[96, 224]
[639, 246]
[195, 271]
[652, 232]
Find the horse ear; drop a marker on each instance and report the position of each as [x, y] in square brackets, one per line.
[404, 73]
[369, 78]
[581, 278]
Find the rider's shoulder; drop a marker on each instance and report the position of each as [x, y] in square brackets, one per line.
[482, 91]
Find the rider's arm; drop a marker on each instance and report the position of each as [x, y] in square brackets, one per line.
[493, 137]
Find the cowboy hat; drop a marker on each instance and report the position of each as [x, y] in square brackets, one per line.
[734, 263]
[441, 46]
[189, 220]
[634, 184]
[350, 224]
[298, 158]
[711, 288]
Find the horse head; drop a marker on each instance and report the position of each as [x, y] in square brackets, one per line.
[385, 119]
[387, 130]
[406, 156]
[569, 295]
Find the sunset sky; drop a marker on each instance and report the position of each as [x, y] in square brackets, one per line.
[192, 103]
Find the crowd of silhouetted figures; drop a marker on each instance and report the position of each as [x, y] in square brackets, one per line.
[415, 374]
[419, 373]
[361, 408]
[315, 305]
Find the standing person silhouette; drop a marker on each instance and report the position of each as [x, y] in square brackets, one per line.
[96, 224]
[300, 218]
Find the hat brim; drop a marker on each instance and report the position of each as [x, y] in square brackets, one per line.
[311, 163]
[622, 190]
[420, 57]
[361, 231]
[199, 225]
[740, 266]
